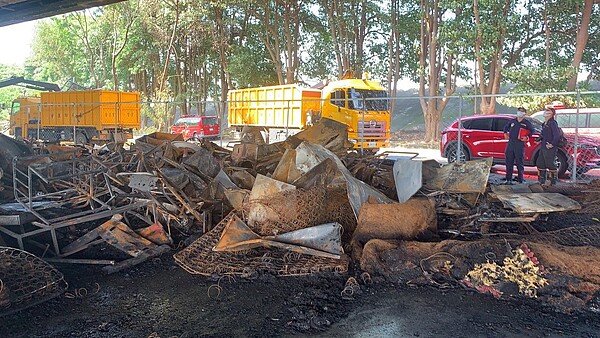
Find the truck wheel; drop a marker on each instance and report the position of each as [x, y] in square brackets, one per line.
[80, 138]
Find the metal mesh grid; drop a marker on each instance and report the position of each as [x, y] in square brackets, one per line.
[573, 236]
[568, 189]
[295, 209]
[337, 208]
[26, 280]
[587, 157]
[198, 258]
[299, 209]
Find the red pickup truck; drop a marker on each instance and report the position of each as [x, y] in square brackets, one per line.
[197, 127]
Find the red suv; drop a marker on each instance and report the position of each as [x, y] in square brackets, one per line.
[197, 127]
[483, 136]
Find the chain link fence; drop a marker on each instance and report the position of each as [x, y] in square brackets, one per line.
[472, 138]
[578, 114]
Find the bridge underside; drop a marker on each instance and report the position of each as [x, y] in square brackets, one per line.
[16, 11]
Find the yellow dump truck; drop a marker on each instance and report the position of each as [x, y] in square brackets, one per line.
[285, 110]
[78, 116]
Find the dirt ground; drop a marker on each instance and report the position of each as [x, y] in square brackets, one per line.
[159, 299]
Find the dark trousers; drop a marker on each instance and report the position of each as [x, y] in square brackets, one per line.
[546, 157]
[515, 153]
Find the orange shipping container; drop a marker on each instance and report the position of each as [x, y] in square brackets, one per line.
[284, 106]
[100, 109]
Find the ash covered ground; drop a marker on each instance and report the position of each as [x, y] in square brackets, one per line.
[159, 299]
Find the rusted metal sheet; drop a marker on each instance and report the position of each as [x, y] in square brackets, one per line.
[324, 174]
[309, 156]
[263, 188]
[396, 221]
[322, 240]
[143, 181]
[286, 170]
[459, 177]
[242, 178]
[119, 235]
[237, 197]
[245, 152]
[408, 178]
[225, 181]
[328, 133]
[531, 203]
[204, 162]
[156, 234]
[516, 188]
[158, 138]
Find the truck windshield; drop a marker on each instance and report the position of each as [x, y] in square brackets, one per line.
[374, 99]
[187, 121]
[209, 120]
[16, 105]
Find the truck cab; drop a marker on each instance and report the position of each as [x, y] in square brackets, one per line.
[24, 116]
[363, 106]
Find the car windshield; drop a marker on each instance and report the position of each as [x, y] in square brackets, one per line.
[375, 100]
[209, 120]
[537, 125]
[187, 121]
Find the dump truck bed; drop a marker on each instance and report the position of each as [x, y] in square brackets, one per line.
[101, 109]
[282, 106]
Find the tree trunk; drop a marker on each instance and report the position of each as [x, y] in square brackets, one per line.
[492, 85]
[222, 41]
[116, 50]
[394, 55]
[582, 39]
[431, 65]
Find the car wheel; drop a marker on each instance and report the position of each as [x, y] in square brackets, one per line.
[560, 160]
[452, 150]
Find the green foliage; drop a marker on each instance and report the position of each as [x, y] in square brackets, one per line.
[8, 94]
[536, 80]
[188, 50]
[262, 72]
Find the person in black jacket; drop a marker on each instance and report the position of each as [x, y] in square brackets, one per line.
[548, 148]
[515, 149]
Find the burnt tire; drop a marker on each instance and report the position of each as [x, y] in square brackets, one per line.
[452, 152]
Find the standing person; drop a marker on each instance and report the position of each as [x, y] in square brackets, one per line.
[549, 146]
[517, 133]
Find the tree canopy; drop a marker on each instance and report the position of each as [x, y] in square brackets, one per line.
[188, 52]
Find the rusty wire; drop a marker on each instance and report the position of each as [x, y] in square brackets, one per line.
[350, 288]
[366, 278]
[27, 280]
[573, 236]
[81, 292]
[198, 258]
[291, 210]
[218, 286]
